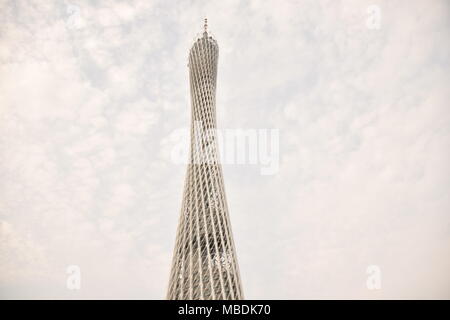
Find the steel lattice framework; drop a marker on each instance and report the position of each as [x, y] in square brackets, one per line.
[204, 263]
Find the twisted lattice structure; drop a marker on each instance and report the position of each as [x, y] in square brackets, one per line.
[204, 263]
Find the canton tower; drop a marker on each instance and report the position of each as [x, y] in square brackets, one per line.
[204, 261]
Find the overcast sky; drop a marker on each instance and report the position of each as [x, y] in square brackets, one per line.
[92, 94]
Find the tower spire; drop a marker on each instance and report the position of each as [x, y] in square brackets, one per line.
[205, 27]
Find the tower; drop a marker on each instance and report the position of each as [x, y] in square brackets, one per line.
[204, 262]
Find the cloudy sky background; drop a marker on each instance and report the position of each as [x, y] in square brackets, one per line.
[93, 92]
